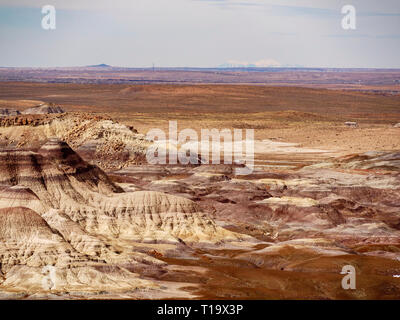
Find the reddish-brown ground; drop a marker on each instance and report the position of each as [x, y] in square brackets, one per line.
[308, 116]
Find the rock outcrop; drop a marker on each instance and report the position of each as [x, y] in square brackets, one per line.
[61, 180]
[106, 143]
[5, 112]
[57, 210]
[45, 108]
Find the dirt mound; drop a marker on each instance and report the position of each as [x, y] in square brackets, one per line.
[156, 217]
[60, 152]
[45, 108]
[35, 258]
[27, 239]
[55, 178]
[19, 223]
[73, 166]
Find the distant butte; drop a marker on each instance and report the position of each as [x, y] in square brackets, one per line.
[102, 65]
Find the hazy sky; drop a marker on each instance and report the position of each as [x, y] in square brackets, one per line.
[200, 33]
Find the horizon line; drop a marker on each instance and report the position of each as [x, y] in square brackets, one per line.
[106, 66]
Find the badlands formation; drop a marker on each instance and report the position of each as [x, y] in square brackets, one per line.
[83, 216]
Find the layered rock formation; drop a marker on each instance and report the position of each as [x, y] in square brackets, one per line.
[140, 230]
[353, 199]
[104, 142]
[57, 210]
[59, 179]
[35, 258]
